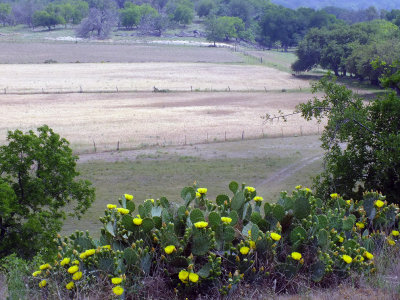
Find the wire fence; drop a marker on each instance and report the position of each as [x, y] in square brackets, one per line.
[101, 145]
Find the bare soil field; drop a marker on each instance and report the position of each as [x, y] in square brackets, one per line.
[138, 119]
[142, 77]
[83, 52]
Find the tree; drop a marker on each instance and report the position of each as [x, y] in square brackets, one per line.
[130, 16]
[5, 11]
[38, 180]
[181, 11]
[46, 19]
[224, 28]
[361, 141]
[102, 18]
[204, 8]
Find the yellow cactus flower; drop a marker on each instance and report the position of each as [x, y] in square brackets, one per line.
[111, 206]
[226, 220]
[118, 290]
[43, 283]
[296, 255]
[82, 255]
[391, 242]
[334, 196]
[368, 255]
[244, 250]
[75, 262]
[252, 244]
[250, 189]
[275, 236]
[347, 259]
[201, 224]
[307, 190]
[169, 249]
[90, 252]
[360, 225]
[70, 285]
[123, 211]
[151, 200]
[341, 239]
[77, 276]
[106, 247]
[73, 269]
[298, 187]
[116, 280]
[36, 273]
[65, 261]
[379, 203]
[138, 221]
[395, 232]
[193, 277]
[198, 195]
[258, 199]
[45, 266]
[128, 197]
[348, 202]
[183, 276]
[202, 191]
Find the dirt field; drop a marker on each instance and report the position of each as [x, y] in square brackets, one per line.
[136, 119]
[143, 77]
[37, 53]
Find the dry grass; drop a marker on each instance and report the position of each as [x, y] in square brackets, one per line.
[143, 77]
[148, 118]
[34, 53]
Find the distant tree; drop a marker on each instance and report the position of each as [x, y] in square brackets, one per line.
[73, 12]
[46, 19]
[183, 14]
[102, 18]
[224, 28]
[130, 16]
[181, 11]
[279, 24]
[241, 9]
[22, 11]
[38, 179]
[204, 8]
[5, 13]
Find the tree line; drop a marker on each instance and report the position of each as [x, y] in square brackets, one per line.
[260, 21]
[351, 50]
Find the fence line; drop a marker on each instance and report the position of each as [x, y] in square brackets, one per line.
[225, 136]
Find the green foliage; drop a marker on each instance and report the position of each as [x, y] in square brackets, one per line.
[38, 180]
[224, 28]
[205, 7]
[5, 13]
[181, 11]
[361, 141]
[210, 247]
[287, 27]
[46, 19]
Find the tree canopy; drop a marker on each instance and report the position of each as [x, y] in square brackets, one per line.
[361, 141]
[38, 182]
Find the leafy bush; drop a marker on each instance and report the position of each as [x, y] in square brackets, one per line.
[37, 181]
[206, 247]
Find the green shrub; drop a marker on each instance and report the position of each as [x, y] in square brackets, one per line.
[206, 247]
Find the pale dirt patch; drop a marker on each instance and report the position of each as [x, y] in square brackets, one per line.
[143, 77]
[135, 119]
